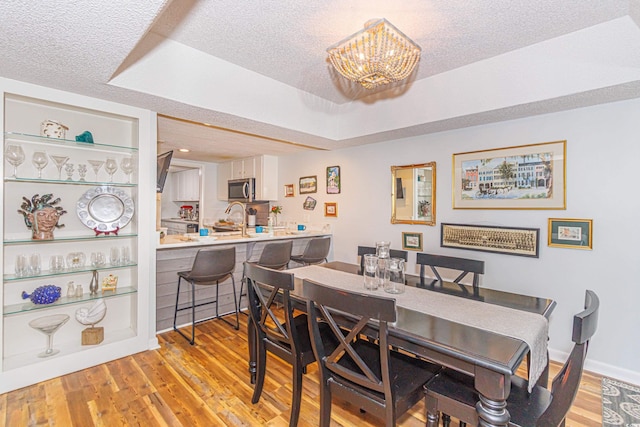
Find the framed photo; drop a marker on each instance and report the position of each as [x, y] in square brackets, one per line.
[412, 241]
[504, 240]
[333, 180]
[309, 203]
[288, 190]
[570, 233]
[308, 184]
[523, 177]
[331, 209]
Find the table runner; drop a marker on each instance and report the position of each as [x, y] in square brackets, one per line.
[529, 327]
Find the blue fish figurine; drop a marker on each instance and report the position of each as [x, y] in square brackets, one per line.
[46, 294]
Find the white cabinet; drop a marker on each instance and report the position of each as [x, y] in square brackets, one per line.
[263, 168]
[101, 215]
[186, 185]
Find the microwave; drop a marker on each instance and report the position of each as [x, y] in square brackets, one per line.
[242, 190]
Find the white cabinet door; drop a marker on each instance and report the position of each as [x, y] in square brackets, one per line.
[266, 168]
[186, 185]
[243, 168]
[224, 175]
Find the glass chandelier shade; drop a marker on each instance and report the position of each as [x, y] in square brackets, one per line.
[377, 55]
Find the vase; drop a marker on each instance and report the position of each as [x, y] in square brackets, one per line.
[274, 219]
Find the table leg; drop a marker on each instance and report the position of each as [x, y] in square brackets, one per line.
[493, 389]
[251, 336]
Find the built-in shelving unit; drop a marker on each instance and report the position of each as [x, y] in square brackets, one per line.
[119, 132]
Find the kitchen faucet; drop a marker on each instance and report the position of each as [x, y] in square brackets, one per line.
[244, 221]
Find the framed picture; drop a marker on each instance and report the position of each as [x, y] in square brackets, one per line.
[570, 233]
[504, 240]
[331, 209]
[309, 203]
[522, 177]
[412, 241]
[333, 180]
[308, 184]
[288, 190]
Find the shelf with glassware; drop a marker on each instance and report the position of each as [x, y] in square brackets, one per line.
[70, 231]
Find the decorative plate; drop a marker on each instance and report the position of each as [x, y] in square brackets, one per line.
[105, 209]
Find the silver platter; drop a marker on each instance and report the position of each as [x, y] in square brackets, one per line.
[105, 209]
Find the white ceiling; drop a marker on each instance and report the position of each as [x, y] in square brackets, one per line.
[259, 68]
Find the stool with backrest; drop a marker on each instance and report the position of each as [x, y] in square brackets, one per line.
[393, 253]
[284, 335]
[381, 382]
[454, 393]
[210, 267]
[316, 251]
[275, 255]
[463, 265]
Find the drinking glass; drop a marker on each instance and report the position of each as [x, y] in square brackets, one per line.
[48, 325]
[369, 273]
[40, 160]
[59, 161]
[15, 156]
[34, 265]
[56, 264]
[114, 257]
[68, 168]
[126, 164]
[21, 266]
[395, 284]
[82, 171]
[111, 166]
[96, 165]
[75, 260]
[98, 259]
[125, 255]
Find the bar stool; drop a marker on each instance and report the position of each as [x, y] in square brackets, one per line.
[210, 267]
[275, 256]
[316, 251]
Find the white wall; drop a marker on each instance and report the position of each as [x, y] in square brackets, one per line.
[603, 151]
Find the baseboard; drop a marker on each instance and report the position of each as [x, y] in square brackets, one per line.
[600, 368]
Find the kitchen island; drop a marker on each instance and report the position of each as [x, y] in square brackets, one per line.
[176, 253]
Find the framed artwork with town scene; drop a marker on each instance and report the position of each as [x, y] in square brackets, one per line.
[522, 177]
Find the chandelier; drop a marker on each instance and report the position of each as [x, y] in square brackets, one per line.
[377, 55]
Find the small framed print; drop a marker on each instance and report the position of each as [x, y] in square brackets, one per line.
[570, 233]
[308, 184]
[288, 190]
[412, 241]
[331, 209]
[333, 180]
[309, 204]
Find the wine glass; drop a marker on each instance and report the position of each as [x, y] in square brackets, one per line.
[96, 165]
[82, 171]
[126, 164]
[14, 155]
[48, 325]
[40, 160]
[111, 166]
[59, 161]
[68, 168]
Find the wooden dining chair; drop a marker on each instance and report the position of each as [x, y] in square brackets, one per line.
[287, 338]
[315, 252]
[393, 253]
[463, 265]
[453, 393]
[382, 382]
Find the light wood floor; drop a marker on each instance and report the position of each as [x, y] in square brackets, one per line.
[205, 385]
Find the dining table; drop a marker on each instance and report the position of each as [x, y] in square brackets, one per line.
[481, 332]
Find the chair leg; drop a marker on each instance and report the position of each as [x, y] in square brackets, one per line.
[325, 404]
[235, 304]
[463, 424]
[297, 394]
[240, 297]
[446, 420]
[261, 361]
[191, 339]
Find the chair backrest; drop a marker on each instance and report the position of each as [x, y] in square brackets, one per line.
[346, 360]
[211, 265]
[317, 250]
[464, 265]
[393, 253]
[276, 255]
[264, 285]
[565, 385]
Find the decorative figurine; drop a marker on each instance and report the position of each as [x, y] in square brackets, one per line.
[46, 294]
[93, 286]
[91, 316]
[41, 215]
[85, 137]
[109, 283]
[53, 129]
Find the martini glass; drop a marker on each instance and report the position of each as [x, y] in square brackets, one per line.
[126, 164]
[14, 155]
[111, 166]
[40, 160]
[48, 325]
[59, 161]
[96, 165]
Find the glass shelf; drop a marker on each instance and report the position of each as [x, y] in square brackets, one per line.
[24, 137]
[29, 306]
[47, 273]
[28, 240]
[67, 182]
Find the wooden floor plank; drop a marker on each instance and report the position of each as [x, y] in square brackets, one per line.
[206, 385]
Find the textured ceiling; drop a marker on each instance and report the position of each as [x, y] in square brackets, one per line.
[259, 68]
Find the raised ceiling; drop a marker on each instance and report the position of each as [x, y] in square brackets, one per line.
[259, 68]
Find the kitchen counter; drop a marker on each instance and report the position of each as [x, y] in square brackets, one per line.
[231, 237]
[180, 220]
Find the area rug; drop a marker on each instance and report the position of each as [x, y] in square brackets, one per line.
[620, 403]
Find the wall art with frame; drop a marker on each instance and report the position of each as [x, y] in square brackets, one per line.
[570, 233]
[504, 240]
[288, 190]
[412, 241]
[333, 180]
[308, 184]
[521, 177]
[331, 209]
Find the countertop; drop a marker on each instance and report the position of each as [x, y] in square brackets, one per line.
[194, 239]
[180, 220]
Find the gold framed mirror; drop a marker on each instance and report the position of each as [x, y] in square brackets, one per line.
[413, 194]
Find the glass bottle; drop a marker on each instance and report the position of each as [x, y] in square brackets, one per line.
[382, 252]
